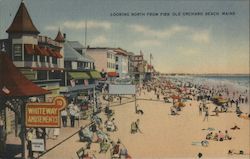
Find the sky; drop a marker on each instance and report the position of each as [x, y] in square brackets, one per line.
[179, 40]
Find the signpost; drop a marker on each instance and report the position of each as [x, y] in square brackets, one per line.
[38, 145]
[45, 115]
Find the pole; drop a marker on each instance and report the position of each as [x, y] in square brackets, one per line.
[135, 104]
[150, 62]
[85, 35]
[94, 96]
[23, 130]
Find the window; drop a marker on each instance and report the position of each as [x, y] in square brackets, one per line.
[116, 67]
[28, 57]
[107, 55]
[116, 59]
[35, 58]
[54, 60]
[41, 75]
[17, 50]
[42, 58]
[67, 64]
[47, 58]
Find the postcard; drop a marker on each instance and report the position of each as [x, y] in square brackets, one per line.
[132, 79]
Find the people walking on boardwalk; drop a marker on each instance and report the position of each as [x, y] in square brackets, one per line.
[73, 109]
[64, 115]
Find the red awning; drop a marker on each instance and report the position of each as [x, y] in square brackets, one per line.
[13, 83]
[44, 51]
[38, 51]
[29, 49]
[58, 55]
[51, 53]
[112, 74]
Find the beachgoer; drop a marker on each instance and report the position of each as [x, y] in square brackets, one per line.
[209, 136]
[29, 137]
[200, 109]
[227, 137]
[64, 116]
[206, 114]
[221, 136]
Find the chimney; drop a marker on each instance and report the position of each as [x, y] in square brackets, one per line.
[64, 35]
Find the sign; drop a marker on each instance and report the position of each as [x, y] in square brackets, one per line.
[124, 89]
[37, 145]
[45, 114]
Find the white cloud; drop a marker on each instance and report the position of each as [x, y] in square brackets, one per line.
[79, 25]
[201, 37]
[188, 51]
[51, 28]
[99, 40]
[164, 33]
[147, 43]
[90, 24]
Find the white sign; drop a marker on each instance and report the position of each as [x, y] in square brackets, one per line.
[37, 145]
[121, 89]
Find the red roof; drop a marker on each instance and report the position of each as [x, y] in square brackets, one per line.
[112, 74]
[22, 22]
[14, 83]
[59, 37]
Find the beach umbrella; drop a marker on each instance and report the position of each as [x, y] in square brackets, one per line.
[175, 97]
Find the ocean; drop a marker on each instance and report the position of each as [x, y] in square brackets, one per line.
[237, 81]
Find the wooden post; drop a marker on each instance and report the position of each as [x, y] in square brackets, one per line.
[23, 130]
[135, 104]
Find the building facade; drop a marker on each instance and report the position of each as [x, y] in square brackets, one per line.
[121, 59]
[38, 57]
[105, 60]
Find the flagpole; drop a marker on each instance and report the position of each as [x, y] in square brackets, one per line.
[150, 62]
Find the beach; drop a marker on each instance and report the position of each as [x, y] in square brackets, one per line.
[168, 136]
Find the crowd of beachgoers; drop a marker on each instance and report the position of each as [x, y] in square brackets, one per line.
[176, 92]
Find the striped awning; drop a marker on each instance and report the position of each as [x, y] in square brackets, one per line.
[79, 75]
[95, 74]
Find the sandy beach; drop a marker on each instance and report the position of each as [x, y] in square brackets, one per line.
[166, 136]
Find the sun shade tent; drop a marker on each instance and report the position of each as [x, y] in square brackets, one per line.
[13, 83]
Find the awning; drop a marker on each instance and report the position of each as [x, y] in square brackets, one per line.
[51, 53]
[45, 52]
[79, 75]
[29, 49]
[95, 74]
[112, 74]
[38, 51]
[57, 53]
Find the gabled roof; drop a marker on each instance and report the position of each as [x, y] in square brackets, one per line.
[76, 44]
[13, 83]
[70, 54]
[59, 37]
[22, 22]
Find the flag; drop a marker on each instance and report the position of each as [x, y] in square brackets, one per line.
[73, 83]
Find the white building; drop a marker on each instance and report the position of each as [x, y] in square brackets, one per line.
[121, 59]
